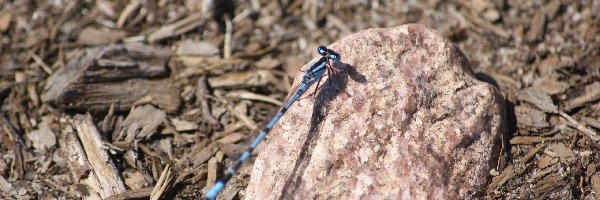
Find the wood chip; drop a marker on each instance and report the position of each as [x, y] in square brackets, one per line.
[541, 174]
[242, 94]
[43, 138]
[530, 118]
[182, 125]
[212, 173]
[536, 28]
[164, 182]
[560, 150]
[177, 28]
[552, 8]
[232, 138]
[592, 93]
[595, 182]
[202, 94]
[197, 48]
[338, 23]
[491, 15]
[229, 194]
[242, 79]
[14, 144]
[591, 122]
[479, 22]
[532, 153]
[5, 19]
[520, 140]
[539, 99]
[35, 37]
[586, 131]
[74, 154]
[108, 177]
[267, 63]
[546, 161]
[97, 36]
[201, 65]
[142, 123]
[102, 76]
[549, 64]
[510, 172]
[550, 85]
[227, 41]
[5, 186]
[107, 8]
[127, 12]
[166, 146]
[548, 184]
[205, 154]
[228, 130]
[132, 194]
[40, 62]
[135, 180]
[234, 150]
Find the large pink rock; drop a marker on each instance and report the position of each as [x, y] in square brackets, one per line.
[404, 118]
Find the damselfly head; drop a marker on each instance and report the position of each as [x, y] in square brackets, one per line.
[335, 57]
[322, 50]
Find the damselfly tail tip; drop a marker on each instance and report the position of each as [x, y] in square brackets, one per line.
[214, 191]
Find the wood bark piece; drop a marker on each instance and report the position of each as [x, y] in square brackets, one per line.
[551, 183]
[116, 74]
[205, 154]
[108, 177]
[404, 117]
[143, 122]
[75, 154]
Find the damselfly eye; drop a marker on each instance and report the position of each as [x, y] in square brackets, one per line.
[334, 57]
[322, 50]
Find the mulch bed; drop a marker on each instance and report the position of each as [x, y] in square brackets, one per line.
[169, 92]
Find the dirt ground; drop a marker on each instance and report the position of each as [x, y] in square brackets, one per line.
[174, 89]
